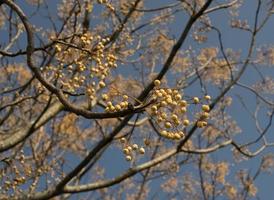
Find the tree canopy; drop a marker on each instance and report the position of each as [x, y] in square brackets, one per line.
[139, 99]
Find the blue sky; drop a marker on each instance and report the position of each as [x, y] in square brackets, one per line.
[237, 40]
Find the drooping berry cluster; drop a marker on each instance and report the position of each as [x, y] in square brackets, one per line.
[170, 112]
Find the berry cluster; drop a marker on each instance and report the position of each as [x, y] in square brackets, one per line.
[131, 150]
[111, 107]
[82, 64]
[170, 112]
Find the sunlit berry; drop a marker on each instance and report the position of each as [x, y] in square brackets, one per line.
[157, 82]
[196, 100]
[128, 158]
[163, 133]
[206, 108]
[104, 97]
[183, 110]
[102, 84]
[125, 97]
[117, 107]
[168, 125]
[200, 124]
[177, 136]
[186, 122]
[178, 97]
[154, 108]
[135, 146]
[126, 151]
[129, 148]
[142, 150]
[207, 97]
[183, 103]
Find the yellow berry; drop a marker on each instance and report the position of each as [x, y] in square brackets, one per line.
[169, 91]
[135, 146]
[175, 92]
[177, 122]
[154, 108]
[164, 133]
[157, 82]
[205, 115]
[168, 125]
[207, 97]
[126, 151]
[174, 117]
[200, 124]
[183, 103]
[177, 136]
[125, 97]
[128, 158]
[206, 108]
[186, 122]
[204, 123]
[170, 135]
[169, 100]
[104, 97]
[118, 107]
[164, 115]
[178, 97]
[123, 104]
[112, 108]
[196, 100]
[183, 110]
[182, 134]
[102, 84]
[159, 94]
[142, 150]
[129, 148]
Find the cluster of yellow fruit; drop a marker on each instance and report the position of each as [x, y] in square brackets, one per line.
[131, 150]
[170, 111]
[110, 107]
[86, 55]
[176, 135]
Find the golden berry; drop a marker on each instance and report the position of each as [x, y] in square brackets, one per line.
[183, 103]
[142, 150]
[168, 125]
[196, 100]
[207, 97]
[104, 97]
[154, 108]
[178, 97]
[157, 82]
[186, 122]
[102, 84]
[126, 151]
[164, 133]
[177, 136]
[206, 108]
[135, 146]
[128, 158]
